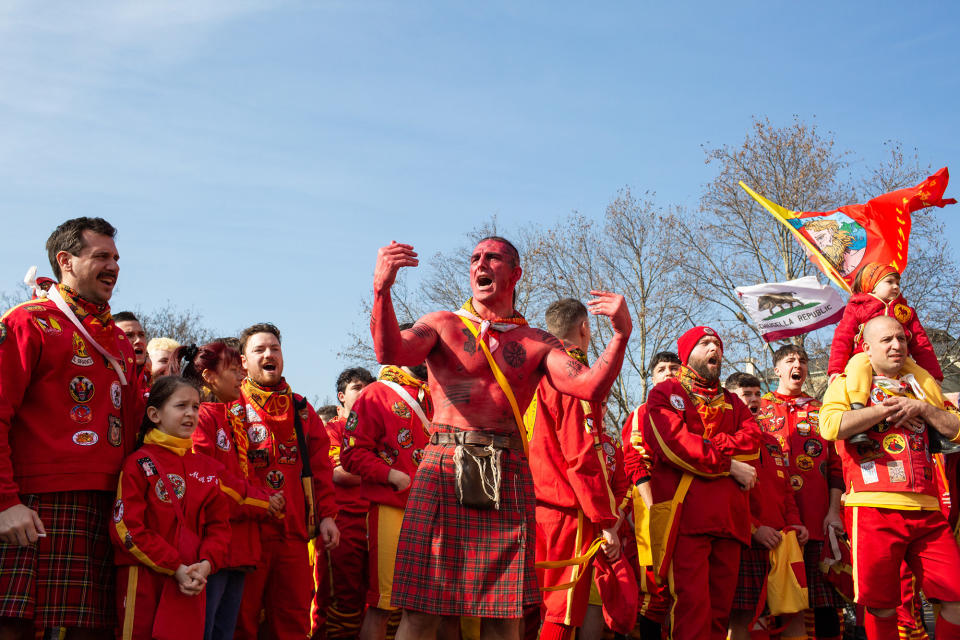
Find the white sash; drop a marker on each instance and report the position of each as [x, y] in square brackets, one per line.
[400, 391]
[55, 295]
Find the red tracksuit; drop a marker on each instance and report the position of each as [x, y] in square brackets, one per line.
[813, 466]
[151, 542]
[388, 435]
[714, 520]
[575, 498]
[282, 584]
[66, 421]
[847, 337]
[893, 510]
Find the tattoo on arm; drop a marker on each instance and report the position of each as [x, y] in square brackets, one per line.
[422, 330]
[514, 354]
[457, 394]
[574, 368]
[470, 344]
[550, 339]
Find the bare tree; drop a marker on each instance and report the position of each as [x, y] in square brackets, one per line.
[183, 325]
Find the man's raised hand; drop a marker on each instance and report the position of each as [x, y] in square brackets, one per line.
[614, 307]
[389, 261]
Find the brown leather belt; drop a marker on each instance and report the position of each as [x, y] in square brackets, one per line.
[478, 438]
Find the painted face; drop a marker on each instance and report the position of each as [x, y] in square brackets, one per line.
[178, 415]
[792, 372]
[263, 359]
[137, 337]
[493, 272]
[888, 289]
[225, 383]
[93, 272]
[159, 358]
[751, 398]
[705, 358]
[664, 370]
[349, 395]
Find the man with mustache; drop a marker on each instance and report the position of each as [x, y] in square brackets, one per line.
[282, 433]
[468, 537]
[699, 437]
[892, 508]
[70, 406]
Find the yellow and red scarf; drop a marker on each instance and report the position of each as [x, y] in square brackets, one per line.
[499, 325]
[708, 398]
[274, 407]
[96, 319]
[391, 373]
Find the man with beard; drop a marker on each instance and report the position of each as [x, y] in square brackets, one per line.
[699, 436]
[466, 546]
[387, 434]
[283, 434]
[128, 322]
[892, 506]
[69, 411]
[813, 467]
[654, 597]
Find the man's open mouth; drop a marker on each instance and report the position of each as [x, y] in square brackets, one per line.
[107, 279]
[484, 281]
[795, 376]
[269, 366]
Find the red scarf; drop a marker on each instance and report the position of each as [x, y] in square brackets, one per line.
[96, 319]
[709, 398]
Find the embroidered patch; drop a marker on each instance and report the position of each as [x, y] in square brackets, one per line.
[894, 443]
[796, 482]
[401, 409]
[813, 448]
[223, 443]
[147, 466]
[161, 491]
[814, 417]
[80, 356]
[257, 433]
[287, 453]
[81, 389]
[916, 442]
[259, 458]
[351, 424]
[116, 395]
[877, 395]
[405, 438]
[677, 402]
[118, 510]
[81, 414]
[804, 462]
[896, 471]
[867, 452]
[178, 484]
[114, 431]
[610, 453]
[85, 438]
[252, 414]
[868, 470]
[708, 331]
[48, 325]
[274, 478]
[803, 428]
[417, 456]
[386, 457]
[902, 313]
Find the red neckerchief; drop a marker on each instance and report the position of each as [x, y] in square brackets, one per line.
[274, 406]
[96, 319]
[709, 399]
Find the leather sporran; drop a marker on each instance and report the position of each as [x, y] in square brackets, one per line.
[477, 473]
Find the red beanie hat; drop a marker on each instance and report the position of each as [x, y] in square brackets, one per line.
[689, 340]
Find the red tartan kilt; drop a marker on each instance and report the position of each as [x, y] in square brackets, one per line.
[754, 567]
[455, 560]
[67, 578]
[822, 593]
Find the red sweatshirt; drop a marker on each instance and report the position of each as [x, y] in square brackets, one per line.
[636, 460]
[145, 525]
[674, 433]
[813, 466]
[214, 437]
[387, 435]
[568, 459]
[66, 422]
[847, 338]
[771, 499]
[352, 499]
[275, 460]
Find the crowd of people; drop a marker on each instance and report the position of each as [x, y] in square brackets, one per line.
[471, 489]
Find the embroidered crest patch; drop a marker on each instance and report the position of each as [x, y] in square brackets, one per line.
[80, 356]
[401, 410]
[677, 402]
[85, 438]
[223, 443]
[405, 438]
[274, 479]
[114, 431]
[116, 396]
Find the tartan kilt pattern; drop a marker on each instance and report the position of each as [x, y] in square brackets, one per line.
[754, 567]
[456, 560]
[66, 579]
[822, 593]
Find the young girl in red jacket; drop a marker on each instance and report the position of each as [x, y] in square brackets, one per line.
[876, 292]
[170, 521]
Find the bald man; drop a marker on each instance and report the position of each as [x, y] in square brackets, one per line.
[891, 508]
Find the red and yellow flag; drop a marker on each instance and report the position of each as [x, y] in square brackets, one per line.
[841, 241]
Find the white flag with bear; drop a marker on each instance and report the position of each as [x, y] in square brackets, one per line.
[785, 309]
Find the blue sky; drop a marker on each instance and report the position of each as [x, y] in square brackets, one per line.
[254, 155]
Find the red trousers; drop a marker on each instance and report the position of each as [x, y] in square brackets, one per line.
[883, 539]
[348, 577]
[703, 579]
[141, 602]
[562, 535]
[281, 585]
